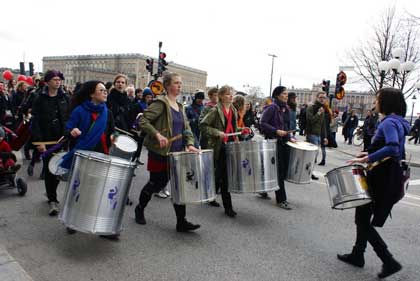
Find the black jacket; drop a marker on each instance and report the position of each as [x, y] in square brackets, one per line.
[120, 105]
[50, 115]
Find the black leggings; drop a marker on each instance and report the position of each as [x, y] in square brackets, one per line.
[283, 152]
[156, 183]
[51, 181]
[221, 179]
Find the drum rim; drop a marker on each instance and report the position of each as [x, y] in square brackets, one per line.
[292, 144]
[177, 153]
[369, 199]
[126, 137]
[121, 161]
[251, 141]
[346, 166]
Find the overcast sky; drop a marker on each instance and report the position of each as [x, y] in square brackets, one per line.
[230, 40]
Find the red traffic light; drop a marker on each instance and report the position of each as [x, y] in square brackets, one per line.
[162, 55]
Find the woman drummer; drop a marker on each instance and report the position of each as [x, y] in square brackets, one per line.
[275, 124]
[162, 120]
[385, 180]
[90, 126]
[221, 120]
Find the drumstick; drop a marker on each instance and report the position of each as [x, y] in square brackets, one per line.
[48, 142]
[125, 132]
[170, 140]
[233, 134]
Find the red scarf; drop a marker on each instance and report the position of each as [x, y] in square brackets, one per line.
[229, 127]
[103, 137]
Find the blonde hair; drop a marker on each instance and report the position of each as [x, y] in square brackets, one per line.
[120, 76]
[167, 79]
[239, 102]
[20, 84]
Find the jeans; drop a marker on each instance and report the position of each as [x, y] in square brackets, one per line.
[350, 134]
[314, 139]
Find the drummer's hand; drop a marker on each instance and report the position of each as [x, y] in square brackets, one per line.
[41, 148]
[364, 159]
[221, 135]
[192, 148]
[281, 133]
[325, 141]
[112, 138]
[293, 140]
[75, 133]
[163, 142]
[362, 154]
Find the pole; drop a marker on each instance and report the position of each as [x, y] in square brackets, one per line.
[272, 67]
[412, 113]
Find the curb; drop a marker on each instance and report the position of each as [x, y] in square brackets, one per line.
[412, 164]
[10, 269]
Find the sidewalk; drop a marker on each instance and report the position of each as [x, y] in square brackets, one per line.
[10, 270]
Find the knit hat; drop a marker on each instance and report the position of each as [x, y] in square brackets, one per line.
[199, 95]
[147, 92]
[50, 74]
[2, 133]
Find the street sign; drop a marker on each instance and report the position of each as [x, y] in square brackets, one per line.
[156, 87]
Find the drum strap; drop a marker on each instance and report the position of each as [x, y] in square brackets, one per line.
[229, 127]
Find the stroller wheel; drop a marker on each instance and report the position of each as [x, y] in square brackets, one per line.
[21, 186]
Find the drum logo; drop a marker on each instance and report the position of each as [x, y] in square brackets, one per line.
[75, 189]
[113, 197]
[245, 165]
[190, 178]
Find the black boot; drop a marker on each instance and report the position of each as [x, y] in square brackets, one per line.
[355, 258]
[230, 213]
[185, 226]
[390, 265]
[322, 163]
[139, 215]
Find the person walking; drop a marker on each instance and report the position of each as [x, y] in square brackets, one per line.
[415, 131]
[352, 123]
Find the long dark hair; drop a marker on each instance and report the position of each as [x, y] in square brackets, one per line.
[391, 100]
[84, 93]
[277, 91]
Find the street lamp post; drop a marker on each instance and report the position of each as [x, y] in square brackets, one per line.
[395, 65]
[272, 67]
[413, 100]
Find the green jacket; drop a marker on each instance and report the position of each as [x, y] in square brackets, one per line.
[315, 123]
[157, 118]
[212, 124]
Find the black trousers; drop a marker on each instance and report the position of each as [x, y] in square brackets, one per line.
[283, 152]
[139, 140]
[367, 140]
[222, 180]
[51, 181]
[365, 232]
[156, 183]
[415, 137]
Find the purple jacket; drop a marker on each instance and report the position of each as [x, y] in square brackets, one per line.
[275, 117]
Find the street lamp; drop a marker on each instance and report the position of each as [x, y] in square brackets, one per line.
[413, 100]
[272, 67]
[396, 65]
[383, 69]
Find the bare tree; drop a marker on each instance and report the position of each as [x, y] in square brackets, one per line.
[391, 32]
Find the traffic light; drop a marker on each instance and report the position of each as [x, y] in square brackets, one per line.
[326, 86]
[339, 83]
[31, 68]
[162, 63]
[22, 68]
[149, 66]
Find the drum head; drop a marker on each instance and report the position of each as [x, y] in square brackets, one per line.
[125, 143]
[303, 145]
[54, 162]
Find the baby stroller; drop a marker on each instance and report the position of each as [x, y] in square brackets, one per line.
[8, 178]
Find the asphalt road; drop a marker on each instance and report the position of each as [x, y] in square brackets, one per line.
[263, 242]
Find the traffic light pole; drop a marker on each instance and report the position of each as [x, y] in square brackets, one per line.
[272, 67]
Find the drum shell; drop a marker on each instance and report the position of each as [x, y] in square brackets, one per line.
[192, 177]
[96, 193]
[124, 148]
[301, 164]
[347, 187]
[252, 166]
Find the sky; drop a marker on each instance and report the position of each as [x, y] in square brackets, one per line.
[230, 40]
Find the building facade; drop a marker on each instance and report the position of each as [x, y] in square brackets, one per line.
[360, 101]
[104, 67]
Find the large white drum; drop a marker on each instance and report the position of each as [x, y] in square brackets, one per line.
[96, 193]
[301, 162]
[124, 147]
[252, 166]
[54, 164]
[347, 187]
[192, 177]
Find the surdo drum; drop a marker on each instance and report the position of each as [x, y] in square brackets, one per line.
[96, 193]
[252, 166]
[347, 187]
[192, 177]
[301, 162]
[123, 147]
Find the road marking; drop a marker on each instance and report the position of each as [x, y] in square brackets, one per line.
[415, 182]
[410, 204]
[412, 196]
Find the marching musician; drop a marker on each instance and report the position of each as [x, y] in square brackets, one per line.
[221, 120]
[275, 124]
[50, 112]
[167, 129]
[385, 179]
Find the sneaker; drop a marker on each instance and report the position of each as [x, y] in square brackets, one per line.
[285, 205]
[314, 177]
[214, 203]
[70, 230]
[167, 192]
[161, 194]
[139, 162]
[53, 209]
[322, 163]
[30, 170]
[112, 237]
[186, 226]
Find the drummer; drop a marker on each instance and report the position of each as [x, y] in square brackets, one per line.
[275, 124]
[221, 120]
[162, 120]
[385, 180]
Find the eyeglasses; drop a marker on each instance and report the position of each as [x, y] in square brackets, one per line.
[103, 91]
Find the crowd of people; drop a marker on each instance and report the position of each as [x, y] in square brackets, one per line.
[93, 115]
